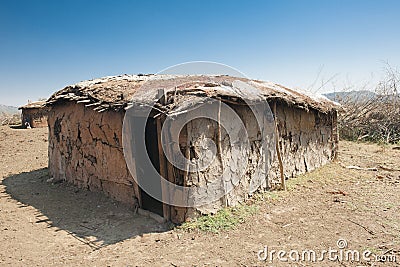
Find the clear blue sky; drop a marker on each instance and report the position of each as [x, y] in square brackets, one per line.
[46, 45]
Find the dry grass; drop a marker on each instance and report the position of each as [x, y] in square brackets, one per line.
[373, 118]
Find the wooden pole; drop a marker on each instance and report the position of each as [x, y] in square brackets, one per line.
[219, 151]
[163, 160]
[278, 151]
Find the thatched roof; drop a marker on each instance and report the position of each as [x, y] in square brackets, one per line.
[36, 104]
[119, 92]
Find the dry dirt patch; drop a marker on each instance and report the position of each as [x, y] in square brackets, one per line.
[52, 224]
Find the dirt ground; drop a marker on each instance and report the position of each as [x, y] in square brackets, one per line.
[44, 224]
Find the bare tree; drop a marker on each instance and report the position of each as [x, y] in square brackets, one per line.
[375, 117]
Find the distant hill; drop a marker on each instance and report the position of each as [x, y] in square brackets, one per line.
[9, 110]
[9, 115]
[351, 95]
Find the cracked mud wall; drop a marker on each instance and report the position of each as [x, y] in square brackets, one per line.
[36, 117]
[307, 140]
[237, 165]
[85, 149]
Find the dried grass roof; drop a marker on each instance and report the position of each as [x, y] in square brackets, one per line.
[36, 104]
[119, 92]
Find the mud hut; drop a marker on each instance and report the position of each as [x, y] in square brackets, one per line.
[34, 114]
[86, 124]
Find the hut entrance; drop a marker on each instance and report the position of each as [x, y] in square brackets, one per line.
[149, 172]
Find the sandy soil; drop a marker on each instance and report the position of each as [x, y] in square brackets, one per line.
[44, 224]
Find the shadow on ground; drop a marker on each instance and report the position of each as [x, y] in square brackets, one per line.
[90, 217]
[17, 126]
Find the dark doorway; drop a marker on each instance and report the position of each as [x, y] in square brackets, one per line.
[148, 175]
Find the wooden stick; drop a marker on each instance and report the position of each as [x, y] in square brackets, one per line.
[362, 226]
[388, 169]
[278, 151]
[163, 161]
[187, 155]
[163, 173]
[219, 138]
[219, 149]
[359, 168]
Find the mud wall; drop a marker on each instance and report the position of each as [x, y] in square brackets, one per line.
[307, 140]
[234, 166]
[85, 149]
[36, 117]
